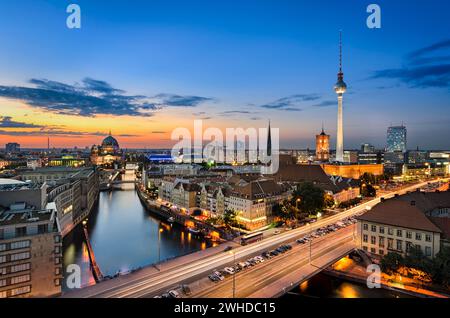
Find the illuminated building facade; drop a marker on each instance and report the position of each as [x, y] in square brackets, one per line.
[322, 146]
[107, 153]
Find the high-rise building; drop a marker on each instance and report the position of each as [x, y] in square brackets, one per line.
[396, 139]
[340, 88]
[322, 146]
[12, 147]
[367, 148]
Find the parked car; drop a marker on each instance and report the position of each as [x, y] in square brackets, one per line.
[229, 270]
[219, 275]
[174, 294]
[213, 278]
[228, 248]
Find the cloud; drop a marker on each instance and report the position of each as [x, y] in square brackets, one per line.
[229, 113]
[326, 103]
[93, 97]
[57, 132]
[425, 76]
[181, 101]
[428, 49]
[422, 68]
[290, 103]
[7, 122]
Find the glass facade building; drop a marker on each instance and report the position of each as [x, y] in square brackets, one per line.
[396, 139]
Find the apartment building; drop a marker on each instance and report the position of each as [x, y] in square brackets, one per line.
[30, 246]
[253, 201]
[416, 219]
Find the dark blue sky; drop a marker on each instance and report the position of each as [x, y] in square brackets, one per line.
[244, 62]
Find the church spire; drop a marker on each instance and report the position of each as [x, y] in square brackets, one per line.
[269, 142]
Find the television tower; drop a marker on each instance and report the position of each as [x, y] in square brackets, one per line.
[340, 88]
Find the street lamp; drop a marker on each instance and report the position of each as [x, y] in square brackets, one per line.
[234, 273]
[297, 202]
[159, 249]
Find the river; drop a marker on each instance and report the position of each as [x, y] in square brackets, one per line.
[124, 236]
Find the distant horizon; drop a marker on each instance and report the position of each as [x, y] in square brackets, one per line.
[227, 63]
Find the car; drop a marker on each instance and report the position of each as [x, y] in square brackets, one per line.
[228, 248]
[260, 259]
[266, 255]
[242, 265]
[165, 295]
[213, 278]
[301, 241]
[277, 232]
[229, 270]
[218, 275]
[274, 253]
[253, 261]
[174, 294]
[157, 296]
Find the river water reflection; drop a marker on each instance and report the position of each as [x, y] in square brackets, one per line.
[124, 236]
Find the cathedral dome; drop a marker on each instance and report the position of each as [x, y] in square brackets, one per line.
[110, 141]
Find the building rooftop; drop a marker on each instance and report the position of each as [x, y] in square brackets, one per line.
[410, 211]
[22, 214]
[15, 186]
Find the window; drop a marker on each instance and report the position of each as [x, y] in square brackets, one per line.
[21, 231]
[57, 260]
[374, 228]
[373, 240]
[2, 247]
[3, 271]
[390, 231]
[20, 268]
[427, 251]
[418, 236]
[365, 227]
[381, 229]
[2, 282]
[57, 239]
[399, 233]
[409, 245]
[399, 245]
[408, 234]
[365, 248]
[57, 271]
[3, 294]
[390, 243]
[20, 290]
[381, 241]
[42, 228]
[1, 234]
[57, 250]
[57, 282]
[2, 259]
[20, 256]
[372, 250]
[365, 238]
[428, 237]
[20, 279]
[20, 244]
[381, 252]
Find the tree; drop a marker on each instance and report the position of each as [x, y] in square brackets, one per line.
[368, 190]
[391, 262]
[229, 217]
[285, 211]
[312, 198]
[440, 268]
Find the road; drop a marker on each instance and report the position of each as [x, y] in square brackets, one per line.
[270, 274]
[196, 269]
